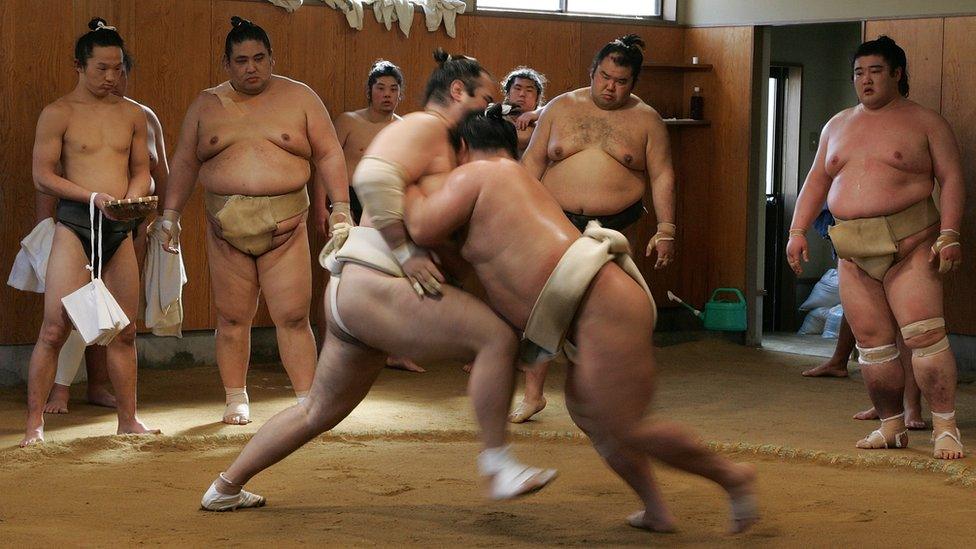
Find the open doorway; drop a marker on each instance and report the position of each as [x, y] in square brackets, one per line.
[809, 81]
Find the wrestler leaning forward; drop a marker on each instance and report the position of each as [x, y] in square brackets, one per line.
[90, 142]
[377, 276]
[578, 294]
[356, 130]
[599, 150]
[876, 166]
[46, 206]
[251, 142]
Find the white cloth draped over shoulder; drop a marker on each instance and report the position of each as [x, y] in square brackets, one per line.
[388, 12]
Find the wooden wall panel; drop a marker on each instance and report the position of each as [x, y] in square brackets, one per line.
[550, 47]
[717, 204]
[959, 108]
[922, 41]
[36, 49]
[172, 53]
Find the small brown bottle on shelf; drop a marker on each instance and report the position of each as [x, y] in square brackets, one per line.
[697, 110]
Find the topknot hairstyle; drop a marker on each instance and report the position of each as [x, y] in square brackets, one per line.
[451, 68]
[626, 51]
[99, 34]
[891, 53]
[243, 30]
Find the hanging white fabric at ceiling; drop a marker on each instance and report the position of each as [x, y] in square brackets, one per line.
[388, 12]
[289, 5]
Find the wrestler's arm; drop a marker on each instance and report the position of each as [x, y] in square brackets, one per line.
[186, 165]
[138, 155]
[45, 163]
[433, 218]
[331, 179]
[657, 156]
[343, 127]
[947, 168]
[535, 159]
[809, 203]
[160, 173]
[179, 184]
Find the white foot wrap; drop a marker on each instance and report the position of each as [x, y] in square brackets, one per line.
[892, 434]
[215, 501]
[509, 478]
[238, 409]
[944, 427]
[302, 396]
[525, 410]
[877, 355]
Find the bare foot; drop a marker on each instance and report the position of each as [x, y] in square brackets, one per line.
[913, 419]
[57, 401]
[742, 498]
[525, 410]
[403, 363]
[99, 395]
[661, 525]
[33, 433]
[868, 414]
[827, 369]
[136, 427]
[467, 367]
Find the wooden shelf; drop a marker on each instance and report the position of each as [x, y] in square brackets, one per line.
[686, 122]
[676, 67]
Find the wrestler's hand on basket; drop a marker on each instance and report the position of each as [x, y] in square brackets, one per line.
[948, 250]
[526, 119]
[100, 200]
[797, 249]
[421, 269]
[168, 224]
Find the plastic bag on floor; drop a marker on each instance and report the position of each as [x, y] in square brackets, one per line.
[832, 324]
[826, 293]
[814, 322]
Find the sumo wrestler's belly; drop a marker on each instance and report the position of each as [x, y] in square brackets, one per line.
[880, 191]
[592, 182]
[254, 168]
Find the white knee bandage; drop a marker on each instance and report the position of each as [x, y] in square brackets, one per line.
[922, 326]
[935, 348]
[877, 355]
[380, 184]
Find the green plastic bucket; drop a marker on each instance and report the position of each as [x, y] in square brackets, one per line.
[726, 316]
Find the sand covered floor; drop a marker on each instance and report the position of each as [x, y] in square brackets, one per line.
[401, 469]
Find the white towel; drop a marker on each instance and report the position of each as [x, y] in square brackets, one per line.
[30, 265]
[404, 13]
[165, 276]
[70, 359]
[354, 13]
[383, 10]
[289, 5]
[437, 10]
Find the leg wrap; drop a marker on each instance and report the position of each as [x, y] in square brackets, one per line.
[922, 326]
[877, 355]
[935, 348]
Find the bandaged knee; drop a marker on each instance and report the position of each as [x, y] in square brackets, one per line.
[916, 329]
[877, 355]
[379, 185]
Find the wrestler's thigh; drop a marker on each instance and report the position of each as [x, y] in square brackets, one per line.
[233, 279]
[613, 372]
[285, 276]
[121, 277]
[865, 306]
[346, 371]
[385, 313]
[914, 286]
[66, 272]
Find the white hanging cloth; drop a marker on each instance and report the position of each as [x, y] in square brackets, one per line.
[289, 5]
[30, 265]
[436, 11]
[92, 309]
[165, 276]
